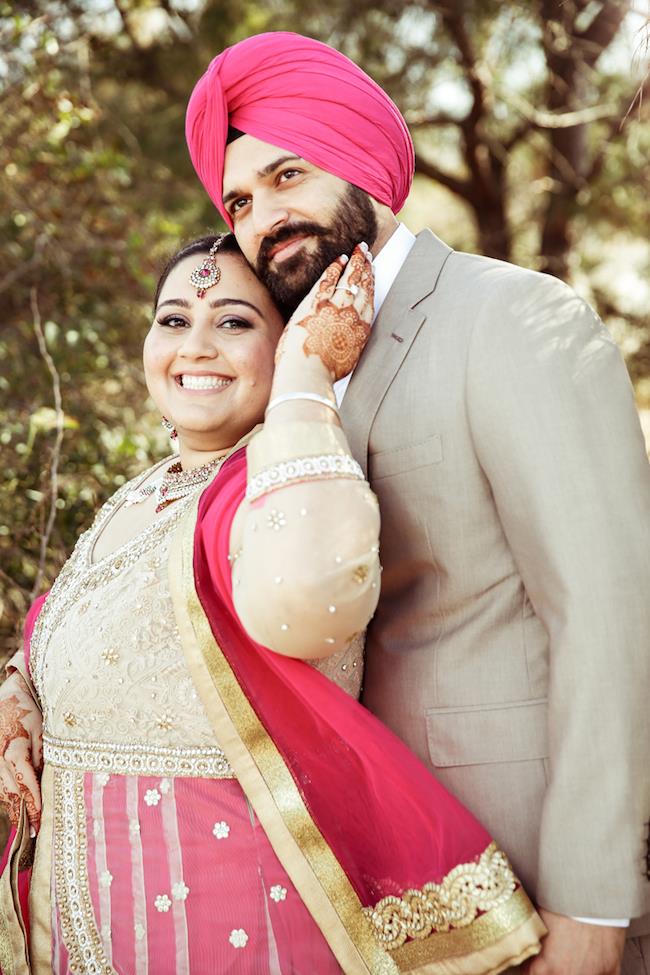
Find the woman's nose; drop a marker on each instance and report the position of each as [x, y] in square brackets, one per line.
[199, 343]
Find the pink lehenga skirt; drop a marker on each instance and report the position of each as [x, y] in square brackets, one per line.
[170, 876]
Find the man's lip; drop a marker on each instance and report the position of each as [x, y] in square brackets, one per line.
[289, 246]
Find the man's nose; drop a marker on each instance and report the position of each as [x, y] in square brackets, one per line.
[268, 214]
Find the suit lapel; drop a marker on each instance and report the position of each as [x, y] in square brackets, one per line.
[393, 333]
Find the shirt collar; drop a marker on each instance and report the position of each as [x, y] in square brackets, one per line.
[389, 260]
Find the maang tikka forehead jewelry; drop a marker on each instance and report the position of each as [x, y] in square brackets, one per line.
[207, 274]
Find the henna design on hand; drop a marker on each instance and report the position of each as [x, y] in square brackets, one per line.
[362, 276]
[328, 281]
[11, 726]
[20, 732]
[11, 802]
[337, 336]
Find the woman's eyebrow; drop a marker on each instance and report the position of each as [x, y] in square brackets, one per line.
[175, 301]
[220, 302]
[217, 303]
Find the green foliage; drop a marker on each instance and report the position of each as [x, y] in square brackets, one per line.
[97, 189]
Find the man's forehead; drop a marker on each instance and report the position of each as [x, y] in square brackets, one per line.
[247, 156]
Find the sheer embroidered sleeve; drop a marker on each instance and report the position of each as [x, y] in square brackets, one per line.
[304, 543]
[20, 660]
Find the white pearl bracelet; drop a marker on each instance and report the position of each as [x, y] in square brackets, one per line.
[321, 467]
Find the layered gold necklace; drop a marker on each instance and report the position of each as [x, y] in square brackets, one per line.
[175, 483]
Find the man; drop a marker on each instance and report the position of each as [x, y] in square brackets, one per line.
[496, 421]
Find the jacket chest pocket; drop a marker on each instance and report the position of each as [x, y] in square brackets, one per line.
[408, 457]
[487, 734]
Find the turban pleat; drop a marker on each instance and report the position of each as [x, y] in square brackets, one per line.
[303, 96]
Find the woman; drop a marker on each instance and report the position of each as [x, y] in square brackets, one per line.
[214, 799]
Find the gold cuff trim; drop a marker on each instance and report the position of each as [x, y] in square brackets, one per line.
[467, 890]
[292, 440]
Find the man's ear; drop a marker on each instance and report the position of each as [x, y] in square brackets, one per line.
[386, 224]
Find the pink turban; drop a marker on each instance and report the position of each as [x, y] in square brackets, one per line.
[303, 96]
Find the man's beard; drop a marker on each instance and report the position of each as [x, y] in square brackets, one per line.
[354, 221]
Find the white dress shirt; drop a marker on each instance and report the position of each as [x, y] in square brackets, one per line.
[387, 265]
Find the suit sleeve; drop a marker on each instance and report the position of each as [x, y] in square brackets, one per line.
[557, 435]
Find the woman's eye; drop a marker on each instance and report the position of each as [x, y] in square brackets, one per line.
[173, 321]
[230, 324]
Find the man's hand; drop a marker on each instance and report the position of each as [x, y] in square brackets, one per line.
[21, 750]
[573, 948]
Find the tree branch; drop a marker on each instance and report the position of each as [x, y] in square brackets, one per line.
[456, 27]
[58, 440]
[26, 266]
[178, 15]
[540, 119]
[420, 120]
[462, 188]
[614, 129]
[124, 16]
[602, 30]
[520, 132]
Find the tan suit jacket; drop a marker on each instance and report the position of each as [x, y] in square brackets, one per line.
[510, 648]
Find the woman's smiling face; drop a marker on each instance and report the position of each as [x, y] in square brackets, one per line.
[208, 361]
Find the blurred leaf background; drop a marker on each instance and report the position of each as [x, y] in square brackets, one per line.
[532, 132]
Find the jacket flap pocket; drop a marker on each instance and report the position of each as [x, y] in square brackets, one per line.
[483, 735]
[406, 458]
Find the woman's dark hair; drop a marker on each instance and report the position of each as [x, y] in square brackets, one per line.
[201, 245]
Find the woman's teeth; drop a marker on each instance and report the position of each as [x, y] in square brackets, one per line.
[203, 382]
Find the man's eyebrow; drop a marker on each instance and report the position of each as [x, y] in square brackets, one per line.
[262, 174]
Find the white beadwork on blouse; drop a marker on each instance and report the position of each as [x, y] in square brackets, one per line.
[107, 656]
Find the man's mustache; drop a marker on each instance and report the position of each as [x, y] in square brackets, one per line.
[286, 232]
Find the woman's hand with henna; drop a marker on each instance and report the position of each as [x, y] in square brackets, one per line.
[333, 320]
[21, 750]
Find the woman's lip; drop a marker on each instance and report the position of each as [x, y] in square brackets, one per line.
[286, 249]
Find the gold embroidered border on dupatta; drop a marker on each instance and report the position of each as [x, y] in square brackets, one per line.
[511, 928]
[266, 780]
[40, 902]
[13, 945]
[86, 955]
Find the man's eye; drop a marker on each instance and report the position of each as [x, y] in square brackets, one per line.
[239, 204]
[287, 174]
[173, 321]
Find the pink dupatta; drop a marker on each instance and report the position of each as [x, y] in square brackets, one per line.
[15, 864]
[396, 872]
